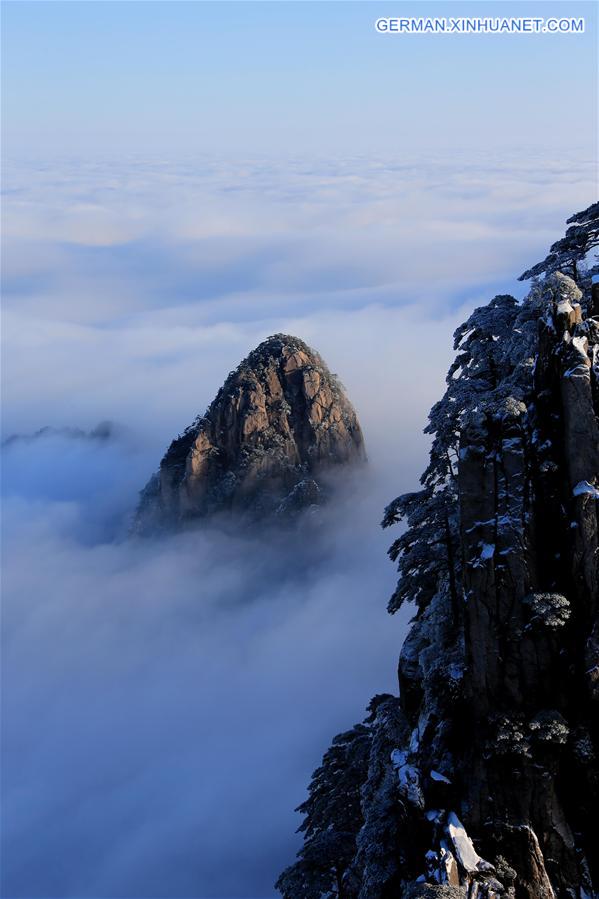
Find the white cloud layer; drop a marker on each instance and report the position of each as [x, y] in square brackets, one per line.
[165, 702]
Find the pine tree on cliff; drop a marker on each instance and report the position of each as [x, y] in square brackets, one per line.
[332, 820]
[427, 549]
[567, 253]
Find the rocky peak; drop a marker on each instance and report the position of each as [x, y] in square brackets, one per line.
[278, 423]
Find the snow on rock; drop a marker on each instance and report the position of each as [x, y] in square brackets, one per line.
[581, 344]
[583, 487]
[448, 867]
[433, 815]
[442, 867]
[440, 777]
[465, 852]
[564, 307]
[409, 778]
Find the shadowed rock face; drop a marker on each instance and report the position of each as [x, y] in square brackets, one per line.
[483, 775]
[500, 694]
[278, 423]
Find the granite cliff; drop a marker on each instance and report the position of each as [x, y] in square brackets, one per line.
[278, 425]
[481, 778]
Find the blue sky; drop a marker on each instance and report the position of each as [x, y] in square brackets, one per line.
[288, 77]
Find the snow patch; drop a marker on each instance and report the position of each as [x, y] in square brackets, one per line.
[414, 740]
[440, 777]
[466, 854]
[433, 815]
[581, 344]
[408, 776]
[584, 488]
[564, 307]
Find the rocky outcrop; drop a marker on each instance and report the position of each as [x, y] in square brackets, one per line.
[483, 779]
[280, 422]
[500, 697]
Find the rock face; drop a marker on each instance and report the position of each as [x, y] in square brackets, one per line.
[500, 690]
[280, 421]
[483, 779]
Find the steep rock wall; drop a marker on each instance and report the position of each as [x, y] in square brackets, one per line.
[483, 777]
[514, 727]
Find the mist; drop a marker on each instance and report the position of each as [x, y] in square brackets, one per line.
[165, 701]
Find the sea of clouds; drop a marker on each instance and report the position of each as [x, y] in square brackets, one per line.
[165, 701]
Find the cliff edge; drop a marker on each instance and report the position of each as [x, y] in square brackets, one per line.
[481, 779]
